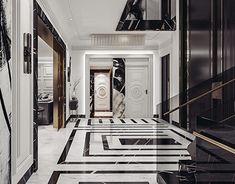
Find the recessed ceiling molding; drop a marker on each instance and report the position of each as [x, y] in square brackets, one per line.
[118, 40]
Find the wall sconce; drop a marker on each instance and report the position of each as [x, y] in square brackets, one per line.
[27, 41]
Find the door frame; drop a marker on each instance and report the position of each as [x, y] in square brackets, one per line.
[111, 55]
[165, 86]
[38, 13]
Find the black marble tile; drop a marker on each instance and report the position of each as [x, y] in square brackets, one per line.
[77, 123]
[27, 175]
[144, 141]
[67, 148]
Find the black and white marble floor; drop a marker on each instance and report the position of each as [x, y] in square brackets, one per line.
[110, 151]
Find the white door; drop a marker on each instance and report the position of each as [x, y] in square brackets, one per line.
[102, 91]
[137, 91]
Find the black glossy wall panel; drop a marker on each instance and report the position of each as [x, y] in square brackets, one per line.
[210, 50]
[200, 41]
[228, 53]
[200, 54]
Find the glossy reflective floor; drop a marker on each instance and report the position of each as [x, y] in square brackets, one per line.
[120, 151]
[126, 151]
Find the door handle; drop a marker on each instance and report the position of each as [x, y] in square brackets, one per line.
[146, 91]
[27, 53]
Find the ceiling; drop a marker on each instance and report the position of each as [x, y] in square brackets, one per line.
[77, 20]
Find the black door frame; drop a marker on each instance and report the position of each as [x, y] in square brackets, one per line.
[39, 13]
[165, 60]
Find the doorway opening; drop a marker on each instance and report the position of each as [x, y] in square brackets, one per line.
[119, 87]
[165, 86]
[49, 79]
[101, 92]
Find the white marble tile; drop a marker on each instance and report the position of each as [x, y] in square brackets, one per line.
[51, 144]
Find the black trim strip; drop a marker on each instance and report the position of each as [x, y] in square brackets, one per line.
[106, 146]
[56, 174]
[77, 123]
[67, 121]
[122, 121]
[67, 147]
[134, 121]
[86, 151]
[5, 111]
[156, 121]
[89, 122]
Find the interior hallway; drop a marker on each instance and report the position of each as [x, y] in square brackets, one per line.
[116, 151]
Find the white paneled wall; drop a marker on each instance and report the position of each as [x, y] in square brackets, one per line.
[79, 71]
[22, 117]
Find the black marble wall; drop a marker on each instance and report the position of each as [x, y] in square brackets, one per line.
[118, 87]
[209, 61]
[5, 90]
[92, 87]
[200, 54]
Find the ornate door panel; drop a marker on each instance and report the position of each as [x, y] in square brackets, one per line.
[137, 91]
[102, 91]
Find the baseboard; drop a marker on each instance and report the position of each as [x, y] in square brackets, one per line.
[26, 176]
[175, 123]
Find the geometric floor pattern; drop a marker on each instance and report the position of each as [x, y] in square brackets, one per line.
[120, 151]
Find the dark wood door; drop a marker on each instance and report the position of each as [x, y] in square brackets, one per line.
[58, 87]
